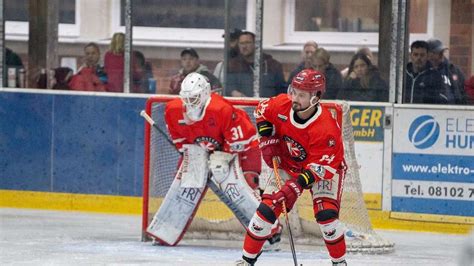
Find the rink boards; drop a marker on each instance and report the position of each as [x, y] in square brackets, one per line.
[84, 151]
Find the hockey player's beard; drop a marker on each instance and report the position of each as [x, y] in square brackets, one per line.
[296, 107]
[303, 113]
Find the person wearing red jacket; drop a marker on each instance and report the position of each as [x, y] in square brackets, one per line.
[87, 78]
[307, 141]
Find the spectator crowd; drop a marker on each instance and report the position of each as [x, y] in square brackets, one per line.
[430, 77]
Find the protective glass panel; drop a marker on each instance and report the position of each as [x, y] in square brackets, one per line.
[205, 14]
[438, 65]
[337, 16]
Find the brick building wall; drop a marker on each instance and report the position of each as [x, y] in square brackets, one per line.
[460, 39]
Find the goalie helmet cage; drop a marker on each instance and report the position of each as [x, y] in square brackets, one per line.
[213, 220]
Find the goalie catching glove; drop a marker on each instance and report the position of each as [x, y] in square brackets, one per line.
[219, 165]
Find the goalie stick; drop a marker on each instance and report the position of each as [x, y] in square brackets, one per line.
[287, 220]
[153, 124]
[240, 216]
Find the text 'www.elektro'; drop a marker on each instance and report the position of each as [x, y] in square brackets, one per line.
[438, 169]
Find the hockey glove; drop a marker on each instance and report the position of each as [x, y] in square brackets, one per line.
[289, 193]
[270, 147]
[307, 178]
[219, 164]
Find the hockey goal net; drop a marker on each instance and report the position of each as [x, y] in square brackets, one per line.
[213, 220]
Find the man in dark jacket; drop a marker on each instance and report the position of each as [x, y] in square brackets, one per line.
[423, 84]
[190, 63]
[240, 73]
[452, 76]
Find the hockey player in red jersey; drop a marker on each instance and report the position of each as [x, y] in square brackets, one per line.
[307, 141]
[207, 119]
[205, 125]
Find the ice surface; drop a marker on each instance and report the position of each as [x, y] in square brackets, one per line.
[38, 237]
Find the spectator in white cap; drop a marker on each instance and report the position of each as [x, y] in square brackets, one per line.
[452, 76]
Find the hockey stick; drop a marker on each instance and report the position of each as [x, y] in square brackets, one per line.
[287, 220]
[153, 124]
[240, 216]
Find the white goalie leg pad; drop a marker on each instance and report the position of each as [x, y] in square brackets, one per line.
[259, 228]
[177, 209]
[219, 162]
[194, 166]
[240, 197]
[332, 231]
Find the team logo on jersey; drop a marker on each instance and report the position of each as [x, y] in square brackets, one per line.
[332, 142]
[296, 150]
[207, 143]
[317, 169]
[258, 113]
[236, 147]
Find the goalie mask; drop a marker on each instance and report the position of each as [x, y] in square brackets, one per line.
[195, 93]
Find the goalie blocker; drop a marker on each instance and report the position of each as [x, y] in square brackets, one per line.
[189, 187]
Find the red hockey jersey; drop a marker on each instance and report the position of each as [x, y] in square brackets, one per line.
[223, 127]
[315, 145]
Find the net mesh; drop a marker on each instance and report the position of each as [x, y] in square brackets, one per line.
[214, 220]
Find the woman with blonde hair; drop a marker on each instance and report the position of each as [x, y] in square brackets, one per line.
[320, 60]
[114, 62]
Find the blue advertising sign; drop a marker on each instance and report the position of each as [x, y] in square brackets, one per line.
[433, 162]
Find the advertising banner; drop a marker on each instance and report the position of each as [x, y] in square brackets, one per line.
[433, 162]
[367, 125]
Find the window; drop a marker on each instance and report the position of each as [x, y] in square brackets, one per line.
[17, 17]
[185, 14]
[337, 15]
[182, 20]
[421, 24]
[17, 10]
[418, 16]
[346, 24]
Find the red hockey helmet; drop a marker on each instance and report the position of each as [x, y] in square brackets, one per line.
[309, 80]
